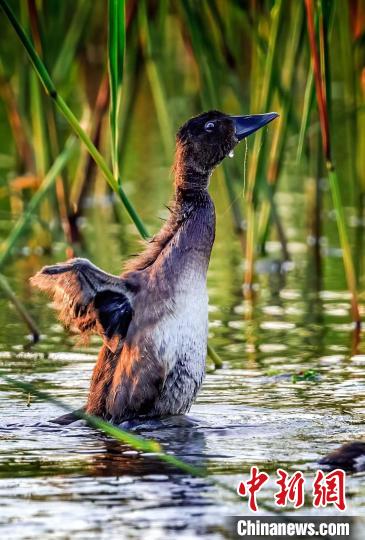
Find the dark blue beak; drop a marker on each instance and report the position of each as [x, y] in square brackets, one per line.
[245, 125]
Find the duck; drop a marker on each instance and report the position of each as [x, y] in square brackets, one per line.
[153, 318]
[349, 457]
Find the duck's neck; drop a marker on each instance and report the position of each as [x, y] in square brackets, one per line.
[189, 176]
[191, 193]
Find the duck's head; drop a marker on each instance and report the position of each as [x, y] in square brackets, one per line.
[205, 140]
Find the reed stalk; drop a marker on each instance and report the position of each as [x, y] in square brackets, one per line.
[350, 99]
[48, 181]
[41, 140]
[47, 82]
[268, 209]
[210, 99]
[215, 358]
[256, 165]
[16, 123]
[20, 309]
[116, 48]
[44, 129]
[156, 82]
[71, 40]
[319, 69]
[86, 172]
[307, 108]
[46, 141]
[121, 435]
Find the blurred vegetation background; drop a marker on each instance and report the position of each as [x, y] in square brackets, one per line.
[132, 72]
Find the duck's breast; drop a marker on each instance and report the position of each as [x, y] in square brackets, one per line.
[181, 332]
[180, 342]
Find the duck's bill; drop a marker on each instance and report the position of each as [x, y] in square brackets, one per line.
[245, 125]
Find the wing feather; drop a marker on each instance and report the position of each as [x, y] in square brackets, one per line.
[87, 298]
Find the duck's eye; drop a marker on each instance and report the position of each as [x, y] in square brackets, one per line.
[209, 126]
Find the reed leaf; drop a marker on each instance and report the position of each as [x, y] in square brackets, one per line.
[321, 85]
[121, 435]
[156, 82]
[72, 120]
[276, 155]
[19, 307]
[256, 165]
[210, 99]
[266, 95]
[71, 40]
[48, 181]
[125, 437]
[309, 96]
[350, 100]
[40, 143]
[307, 108]
[116, 48]
[215, 358]
[16, 122]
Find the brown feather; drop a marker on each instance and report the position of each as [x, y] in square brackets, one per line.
[73, 286]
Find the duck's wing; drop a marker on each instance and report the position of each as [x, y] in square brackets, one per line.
[88, 298]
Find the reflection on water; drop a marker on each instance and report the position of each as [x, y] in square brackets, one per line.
[259, 409]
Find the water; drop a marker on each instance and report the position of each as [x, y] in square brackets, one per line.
[63, 482]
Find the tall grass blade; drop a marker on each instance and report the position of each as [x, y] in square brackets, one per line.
[321, 85]
[67, 52]
[257, 158]
[210, 99]
[116, 48]
[214, 357]
[307, 108]
[16, 121]
[40, 143]
[49, 180]
[156, 82]
[86, 172]
[72, 120]
[348, 69]
[21, 310]
[268, 208]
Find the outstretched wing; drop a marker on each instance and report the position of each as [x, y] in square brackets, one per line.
[88, 298]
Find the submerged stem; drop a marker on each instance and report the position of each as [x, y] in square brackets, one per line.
[7, 290]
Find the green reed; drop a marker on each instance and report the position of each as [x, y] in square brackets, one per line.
[322, 83]
[255, 172]
[268, 208]
[49, 180]
[150, 41]
[47, 82]
[204, 49]
[237, 57]
[19, 307]
[116, 50]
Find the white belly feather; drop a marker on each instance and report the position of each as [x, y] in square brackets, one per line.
[182, 333]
